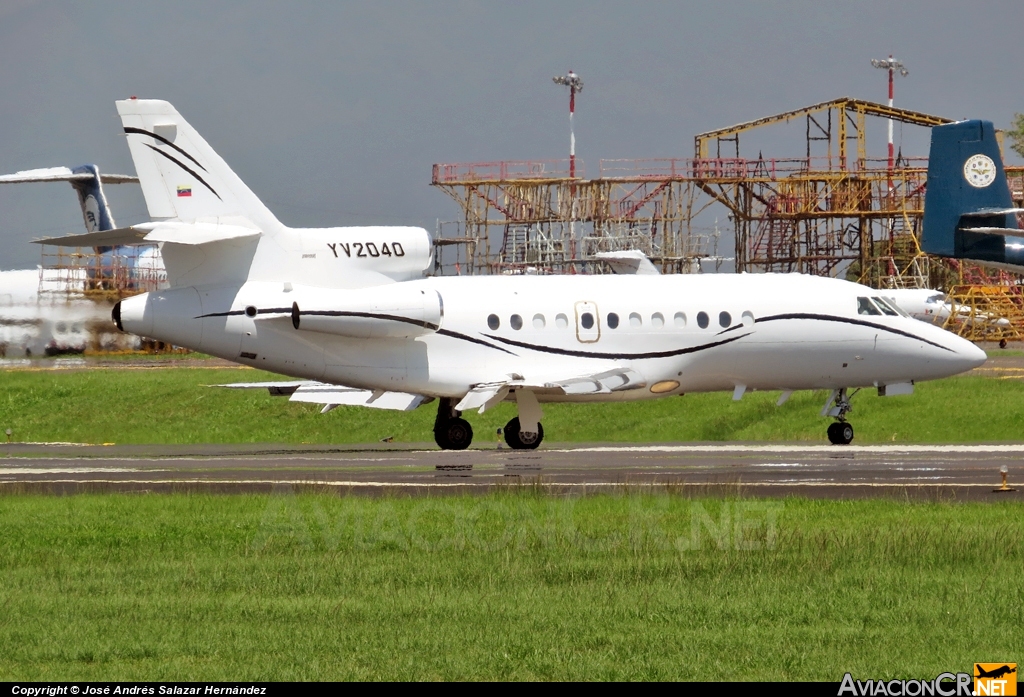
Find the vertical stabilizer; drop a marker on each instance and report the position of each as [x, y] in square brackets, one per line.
[181, 176]
[95, 210]
[968, 208]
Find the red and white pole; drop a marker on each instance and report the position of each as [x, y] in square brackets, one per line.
[891, 158]
[572, 134]
[575, 85]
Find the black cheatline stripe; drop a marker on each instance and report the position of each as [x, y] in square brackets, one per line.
[850, 320]
[443, 332]
[457, 335]
[594, 354]
[143, 132]
[182, 165]
[221, 314]
[370, 315]
[726, 331]
[230, 313]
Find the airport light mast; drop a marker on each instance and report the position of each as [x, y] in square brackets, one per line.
[892, 65]
[575, 85]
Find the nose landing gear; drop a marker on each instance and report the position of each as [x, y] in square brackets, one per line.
[840, 433]
[838, 406]
[451, 432]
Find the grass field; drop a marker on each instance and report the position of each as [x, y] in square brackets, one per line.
[171, 405]
[513, 585]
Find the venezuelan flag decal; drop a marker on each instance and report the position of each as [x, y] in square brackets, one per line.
[184, 191]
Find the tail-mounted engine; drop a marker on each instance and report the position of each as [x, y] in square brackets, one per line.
[392, 311]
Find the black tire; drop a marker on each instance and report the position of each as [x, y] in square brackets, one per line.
[840, 433]
[514, 439]
[455, 434]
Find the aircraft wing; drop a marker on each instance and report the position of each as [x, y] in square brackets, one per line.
[334, 395]
[630, 261]
[486, 395]
[62, 174]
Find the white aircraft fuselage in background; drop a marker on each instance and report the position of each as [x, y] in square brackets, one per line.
[352, 310]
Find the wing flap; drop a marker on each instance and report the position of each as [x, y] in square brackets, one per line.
[333, 395]
[486, 395]
[319, 393]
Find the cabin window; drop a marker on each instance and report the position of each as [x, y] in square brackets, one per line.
[724, 319]
[493, 322]
[680, 320]
[747, 318]
[702, 320]
[561, 321]
[635, 320]
[613, 320]
[538, 321]
[658, 320]
[884, 307]
[516, 322]
[866, 307]
[587, 320]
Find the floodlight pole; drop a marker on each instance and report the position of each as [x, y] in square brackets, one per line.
[892, 65]
[575, 84]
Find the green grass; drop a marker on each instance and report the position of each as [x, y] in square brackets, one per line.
[509, 586]
[171, 405]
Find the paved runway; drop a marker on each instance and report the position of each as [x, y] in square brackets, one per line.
[933, 472]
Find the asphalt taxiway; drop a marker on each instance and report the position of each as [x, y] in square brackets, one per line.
[934, 472]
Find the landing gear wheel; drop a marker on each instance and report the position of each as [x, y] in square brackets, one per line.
[840, 433]
[454, 434]
[520, 441]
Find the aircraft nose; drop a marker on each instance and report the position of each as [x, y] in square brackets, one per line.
[966, 355]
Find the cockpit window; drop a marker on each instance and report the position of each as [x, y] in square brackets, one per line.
[891, 302]
[884, 307]
[866, 307]
[937, 299]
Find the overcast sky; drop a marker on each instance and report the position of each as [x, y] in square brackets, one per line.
[334, 112]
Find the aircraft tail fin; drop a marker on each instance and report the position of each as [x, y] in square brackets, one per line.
[968, 210]
[88, 184]
[182, 177]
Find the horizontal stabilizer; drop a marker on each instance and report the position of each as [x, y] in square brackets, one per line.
[63, 174]
[986, 212]
[153, 233]
[631, 261]
[1012, 231]
[117, 237]
[334, 395]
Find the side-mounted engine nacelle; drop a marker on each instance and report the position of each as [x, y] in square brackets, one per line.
[391, 311]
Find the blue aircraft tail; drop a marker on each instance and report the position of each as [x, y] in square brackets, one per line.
[968, 212]
[95, 209]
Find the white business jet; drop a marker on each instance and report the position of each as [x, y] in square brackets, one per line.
[352, 313]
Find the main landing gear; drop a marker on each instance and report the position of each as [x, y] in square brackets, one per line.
[520, 440]
[838, 406]
[451, 431]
